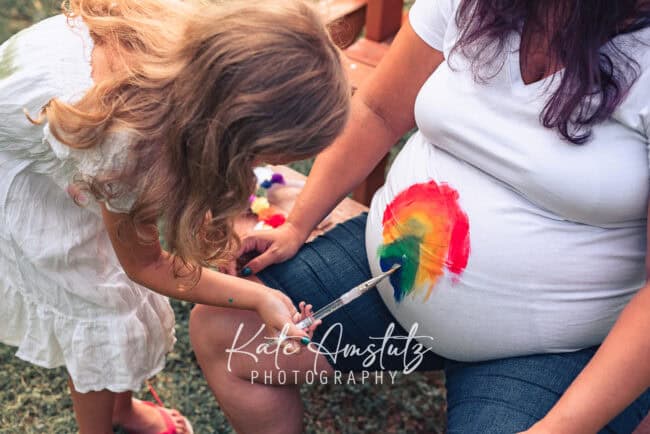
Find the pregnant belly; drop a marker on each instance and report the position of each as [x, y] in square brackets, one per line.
[487, 274]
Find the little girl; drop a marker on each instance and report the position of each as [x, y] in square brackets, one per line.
[121, 114]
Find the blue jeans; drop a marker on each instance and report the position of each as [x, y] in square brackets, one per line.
[499, 396]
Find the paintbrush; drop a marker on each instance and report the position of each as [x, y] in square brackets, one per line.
[335, 305]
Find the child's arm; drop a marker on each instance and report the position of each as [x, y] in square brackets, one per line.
[151, 266]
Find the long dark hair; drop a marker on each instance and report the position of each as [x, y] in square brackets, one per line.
[597, 71]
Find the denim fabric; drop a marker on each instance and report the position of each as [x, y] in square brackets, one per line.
[322, 271]
[509, 395]
[497, 396]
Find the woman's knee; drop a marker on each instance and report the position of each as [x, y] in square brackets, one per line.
[212, 330]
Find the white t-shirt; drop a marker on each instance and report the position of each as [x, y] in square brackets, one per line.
[523, 242]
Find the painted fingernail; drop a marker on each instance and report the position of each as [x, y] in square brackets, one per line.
[305, 340]
[246, 271]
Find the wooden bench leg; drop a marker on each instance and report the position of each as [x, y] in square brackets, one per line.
[363, 193]
[383, 18]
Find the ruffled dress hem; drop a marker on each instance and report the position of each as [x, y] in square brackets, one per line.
[127, 356]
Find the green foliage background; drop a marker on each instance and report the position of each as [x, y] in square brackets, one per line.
[18, 14]
[36, 400]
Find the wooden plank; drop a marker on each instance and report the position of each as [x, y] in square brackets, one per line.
[383, 18]
[333, 10]
[345, 19]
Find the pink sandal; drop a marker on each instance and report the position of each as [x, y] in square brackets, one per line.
[169, 423]
[170, 428]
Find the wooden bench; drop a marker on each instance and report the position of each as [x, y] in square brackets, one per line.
[382, 19]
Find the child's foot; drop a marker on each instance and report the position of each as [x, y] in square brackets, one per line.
[147, 418]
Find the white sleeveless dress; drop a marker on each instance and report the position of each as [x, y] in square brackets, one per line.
[64, 298]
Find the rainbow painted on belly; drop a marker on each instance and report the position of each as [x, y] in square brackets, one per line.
[425, 231]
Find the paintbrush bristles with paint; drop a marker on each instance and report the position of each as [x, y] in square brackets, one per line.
[344, 299]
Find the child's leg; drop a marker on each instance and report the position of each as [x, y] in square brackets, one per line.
[98, 412]
[93, 410]
[132, 415]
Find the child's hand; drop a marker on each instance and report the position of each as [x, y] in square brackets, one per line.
[305, 312]
[278, 313]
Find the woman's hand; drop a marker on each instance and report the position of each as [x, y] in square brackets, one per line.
[275, 245]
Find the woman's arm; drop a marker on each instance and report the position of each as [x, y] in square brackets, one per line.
[152, 267]
[382, 112]
[617, 374]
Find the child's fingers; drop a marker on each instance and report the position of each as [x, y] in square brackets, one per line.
[299, 316]
[310, 330]
[296, 333]
[305, 309]
[231, 268]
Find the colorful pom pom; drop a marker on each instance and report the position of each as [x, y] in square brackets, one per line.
[276, 178]
[266, 214]
[275, 220]
[260, 204]
[261, 207]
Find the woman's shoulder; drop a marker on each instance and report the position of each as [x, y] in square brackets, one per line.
[634, 110]
[434, 21]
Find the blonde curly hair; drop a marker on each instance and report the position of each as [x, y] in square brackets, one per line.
[207, 90]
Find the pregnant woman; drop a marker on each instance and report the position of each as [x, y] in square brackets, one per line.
[517, 212]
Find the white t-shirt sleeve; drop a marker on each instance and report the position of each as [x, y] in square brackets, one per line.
[645, 124]
[430, 19]
[109, 156]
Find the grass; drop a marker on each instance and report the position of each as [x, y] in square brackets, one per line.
[18, 14]
[36, 400]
